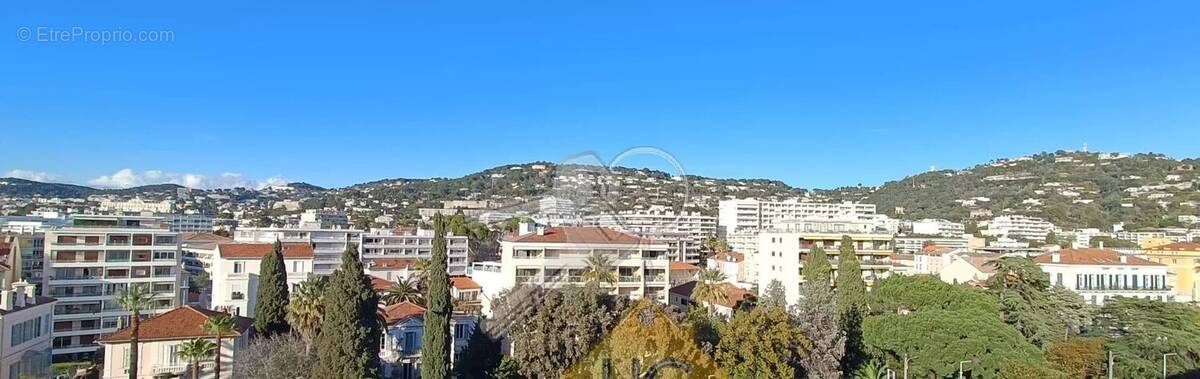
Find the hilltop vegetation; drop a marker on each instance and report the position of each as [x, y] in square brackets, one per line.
[1070, 189]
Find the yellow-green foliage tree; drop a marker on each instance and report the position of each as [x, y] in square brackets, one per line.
[648, 335]
[762, 344]
[1078, 357]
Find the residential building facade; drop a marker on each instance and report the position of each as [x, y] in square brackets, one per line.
[160, 338]
[26, 321]
[739, 214]
[400, 351]
[409, 244]
[684, 232]
[1019, 227]
[1182, 260]
[89, 261]
[1100, 274]
[782, 253]
[235, 273]
[328, 243]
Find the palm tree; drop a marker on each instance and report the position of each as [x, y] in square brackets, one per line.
[305, 308]
[402, 290]
[134, 299]
[709, 289]
[421, 266]
[599, 270]
[220, 326]
[195, 351]
[871, 370]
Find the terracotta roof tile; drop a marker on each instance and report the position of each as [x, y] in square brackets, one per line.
[391, 263]
[464, 283]
[380, 284]
[1093, 257]
[185, 322]
[206, 237]
[260, 250]
[683, 266]
[398, 312]
[582, 234]
[733, 294]
[1179, 246]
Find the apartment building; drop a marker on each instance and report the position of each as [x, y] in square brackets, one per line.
[235, 273]
[24, 257]
[782, 252]
[190, 223]
[326, 218]
[385, 247]
[557, 257]
[684, 232]
[911, 245]
[137, 205]
[328, 243]
[1100, 274]
[1019, 227]
[1182, 260]
[26, 320]
[740, 214]
[937, 227]
[198, 250]
[94, 257]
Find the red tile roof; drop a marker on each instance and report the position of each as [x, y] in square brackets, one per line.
[733, 294]
[401, 311]
[581, 234]
[1179, 246]
[1093, 257]
[683, 266]
[185, 322]
[391, 263]
[380, 284]
[464, 283]
[202, 236]
[730, 257]
[260, 250]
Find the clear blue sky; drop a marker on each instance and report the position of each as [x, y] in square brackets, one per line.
[812, 93]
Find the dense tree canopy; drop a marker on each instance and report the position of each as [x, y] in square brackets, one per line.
[762, 344]
[1140, 331]
[551, 328]
[819, 321]
[1042, 314]
[348, 344]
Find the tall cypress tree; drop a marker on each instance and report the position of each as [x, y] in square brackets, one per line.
[852, 303]
[817, 267]
[348, 346]
[435, 344]
[270, 310]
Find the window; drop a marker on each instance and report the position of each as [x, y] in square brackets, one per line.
[164, 255]
[26, 330]
[296, 266]
[171, 358]
[236, 295]
[239, 267]
[460, 331]
[410, 341]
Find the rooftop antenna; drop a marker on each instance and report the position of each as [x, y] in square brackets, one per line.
[1085, 147]
[932, 168]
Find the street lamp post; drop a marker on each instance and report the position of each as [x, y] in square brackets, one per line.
[960, 368]
[905, 365]
[1165, 355]
[1110, 364]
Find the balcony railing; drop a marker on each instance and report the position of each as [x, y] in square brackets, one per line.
[630, 278]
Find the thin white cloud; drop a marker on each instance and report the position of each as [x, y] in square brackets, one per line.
[36, 176]
[127, 178]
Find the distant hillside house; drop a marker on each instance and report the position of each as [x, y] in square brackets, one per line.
[1101, 274]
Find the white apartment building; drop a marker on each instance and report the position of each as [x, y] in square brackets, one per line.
[1100, 274]
[90, 260]
[326, 218]
[190, 223]
[684, 232]
[388, 246]
[740, 214]
[26, 321]
[198, 250]
[404, 329]
[938, 227]
[746, 242]
[328, 244]
[137, 205]
[235, 273]
[911, 245]
[25, 257]
[1019, 227]
[556, 257]
[782, 252]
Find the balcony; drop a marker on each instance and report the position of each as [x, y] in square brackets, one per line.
[630, 278]
[177, 370]
[528, 279]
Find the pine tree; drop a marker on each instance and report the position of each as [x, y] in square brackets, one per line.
[348, 346]
[775, 296]
[852, 300]
[270, 312]
[435, 344]
[817, 267]
[480, 357]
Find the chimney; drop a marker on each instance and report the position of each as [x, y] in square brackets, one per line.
[6, 300]
[541, 230]
[523, 228]
[18, 295]
[1101, 244]
[1055, 258]
[1124, 258]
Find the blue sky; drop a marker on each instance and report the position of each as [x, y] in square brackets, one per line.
[817, 94]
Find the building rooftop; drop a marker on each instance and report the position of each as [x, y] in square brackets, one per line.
[1093, 257]
[402, 311]
[204, 237]
[379, 264]
[683, 266]
[581, 234]
[260, 250]
[1179, 246]
[185, 322]
[733, 294]
[464, 283]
